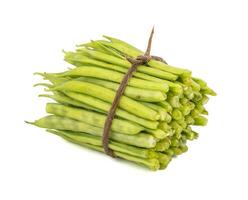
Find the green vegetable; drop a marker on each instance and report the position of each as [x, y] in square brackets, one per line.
[151, 163]
[102, 105]
[132, 92]
[101, 73]
[108, 95]
[174, 101]
[80, 60]
[63, 123]
[176, 114]
[157, 72]
[164, 116]
[200, 121]
[63, 99]
[116, 146]
[93, 118]
[157, 110]
[127, 48]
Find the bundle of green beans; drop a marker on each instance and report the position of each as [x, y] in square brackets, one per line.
[156, 113]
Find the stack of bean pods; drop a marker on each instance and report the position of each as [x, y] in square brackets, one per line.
[156, 113]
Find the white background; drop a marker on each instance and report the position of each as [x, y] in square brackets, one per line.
[208, 37]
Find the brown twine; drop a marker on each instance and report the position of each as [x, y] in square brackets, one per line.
[140, 60]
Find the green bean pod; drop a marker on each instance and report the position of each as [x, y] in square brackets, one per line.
[63, 99]
[108, 95]
[163, 145]
[80, 60]
[178, 129]
[176, 114]
[93, 118]
[97, 141]
[151, 163]
[174, 101]
[200, 121]
[62, 123]
[114, 76]
[129, 50]
[158, 133]
[157, 72]
[132, 92]
[166, 128]
[164, 116]
[166, 106]
[104, 106]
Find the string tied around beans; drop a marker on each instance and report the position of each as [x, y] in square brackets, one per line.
[139, 60]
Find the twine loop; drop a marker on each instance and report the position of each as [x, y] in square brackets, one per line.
[140, 60]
